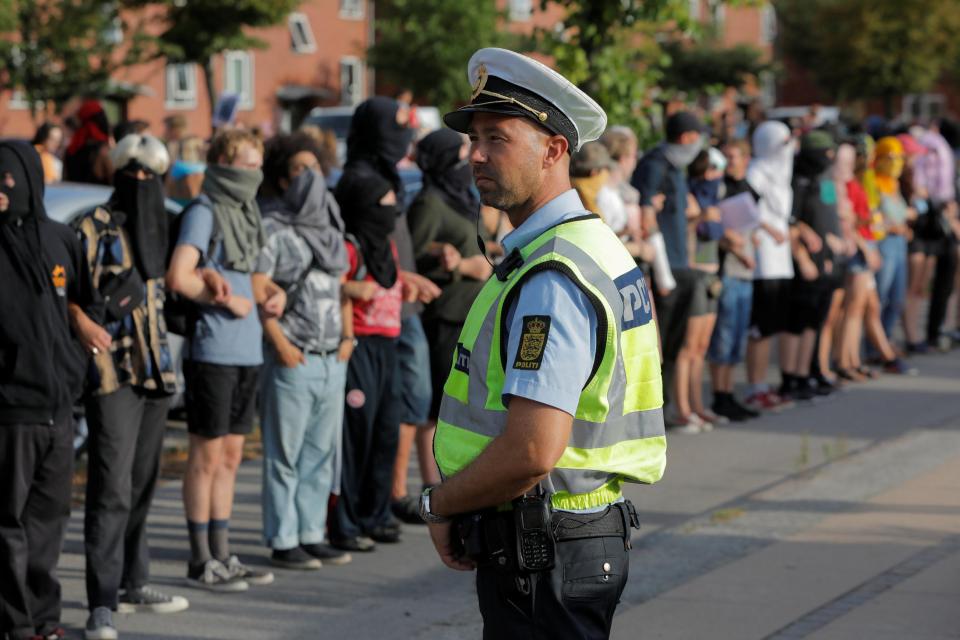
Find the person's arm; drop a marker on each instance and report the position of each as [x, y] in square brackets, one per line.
[347, 335]
[92, 336]
[270, 296]
[476, 267]
[648, 179]
[416, 287]
[184, 278]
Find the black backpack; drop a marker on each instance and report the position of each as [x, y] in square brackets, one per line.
[181, 313]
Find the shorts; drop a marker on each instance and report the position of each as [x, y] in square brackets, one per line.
[771, 307]
[924, 246]
[733, 321]
[220, 399]
[704, 300]
[858, 263]
[413, 360]
[809, 305]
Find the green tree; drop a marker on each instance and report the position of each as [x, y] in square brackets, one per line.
[57, 49]
[424, 45]
[612, 50]
[197, 30]
[875, 48]
[707, 66]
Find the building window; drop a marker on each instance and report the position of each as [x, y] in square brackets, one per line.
[693, 8]
[301, 35]
[521, 10]
[351, 80]
[238, 76]
[924, 107]
[181, 91]
[351, 9]
[768, 23]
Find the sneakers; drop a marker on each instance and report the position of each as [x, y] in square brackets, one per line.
[899, 367]
[57, 634]
[386, 533]
[100, 625]
[327, 554]
[295, 558]
[767, 401]
[361, 544]
[690, 424]
[248, 574]
[149, 600]
[725, 405]
[214, 576]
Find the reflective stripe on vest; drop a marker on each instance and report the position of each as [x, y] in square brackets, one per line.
[617, 432]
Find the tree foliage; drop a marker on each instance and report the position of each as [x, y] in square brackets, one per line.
[57, 49]
[197, 30]
[424, 45]
[706, 65]
[873, 48]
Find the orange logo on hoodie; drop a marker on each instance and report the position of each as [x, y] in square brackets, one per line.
[59, 277]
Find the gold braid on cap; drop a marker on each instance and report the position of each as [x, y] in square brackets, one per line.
[541, 115]
[478, 89]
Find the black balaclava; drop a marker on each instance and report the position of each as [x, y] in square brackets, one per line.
[377, 140]
[21, 180]
[371, 223]
[138, 205]
[438, 156]
[816, 154]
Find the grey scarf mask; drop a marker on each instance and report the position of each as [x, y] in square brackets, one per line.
[681, 155]
[310, 208]
[233, 192]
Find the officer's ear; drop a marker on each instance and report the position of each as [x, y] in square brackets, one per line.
[556, 151]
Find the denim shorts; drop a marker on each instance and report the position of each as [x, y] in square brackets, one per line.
[733, 321]
[413, 356]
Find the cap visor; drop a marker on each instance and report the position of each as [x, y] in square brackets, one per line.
[459, 120]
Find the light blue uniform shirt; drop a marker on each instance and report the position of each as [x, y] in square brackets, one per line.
[571, 343]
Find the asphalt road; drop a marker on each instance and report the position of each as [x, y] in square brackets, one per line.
[838, 519]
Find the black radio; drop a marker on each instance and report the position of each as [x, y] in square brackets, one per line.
[535, 543]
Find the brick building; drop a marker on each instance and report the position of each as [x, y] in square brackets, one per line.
[316, 57]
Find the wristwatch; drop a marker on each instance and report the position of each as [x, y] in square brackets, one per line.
[425, 514]
[351, 339]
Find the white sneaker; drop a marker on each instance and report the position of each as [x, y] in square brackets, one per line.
[147, 599]
[700, 423]
[683, 425]
[213, 576]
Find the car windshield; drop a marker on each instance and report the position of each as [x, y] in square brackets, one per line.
[339, 124]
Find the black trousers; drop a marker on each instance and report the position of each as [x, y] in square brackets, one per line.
[36, 472]
[126, 438]
[673, 311]
[371, 430]
[576, 599]
[943, 282]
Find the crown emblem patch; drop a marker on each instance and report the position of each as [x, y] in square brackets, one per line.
[533, 342]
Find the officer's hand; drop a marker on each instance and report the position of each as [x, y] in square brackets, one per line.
[442, 536]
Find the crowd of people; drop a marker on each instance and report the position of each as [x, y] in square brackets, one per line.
[326, 304]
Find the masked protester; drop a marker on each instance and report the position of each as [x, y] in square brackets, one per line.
[87, 158]
[222, 230]
[379, 138]
[46, 291]
[443, 224]
[302, 385]
[129, 385]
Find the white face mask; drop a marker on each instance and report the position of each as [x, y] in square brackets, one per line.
[681, 155]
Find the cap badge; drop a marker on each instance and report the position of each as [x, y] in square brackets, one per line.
[480, 83]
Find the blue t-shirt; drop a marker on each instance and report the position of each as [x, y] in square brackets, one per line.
[220, 337]
[654, 175]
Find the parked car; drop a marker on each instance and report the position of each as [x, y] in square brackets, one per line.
[65, 202]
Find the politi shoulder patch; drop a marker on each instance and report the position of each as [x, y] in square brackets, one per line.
[533, 342]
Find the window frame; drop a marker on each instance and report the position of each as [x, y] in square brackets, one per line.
[357, 64]
[352, 9]
[309, 42]
[174, 97]
[246, 101]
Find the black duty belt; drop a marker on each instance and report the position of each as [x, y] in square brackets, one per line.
[316, 352]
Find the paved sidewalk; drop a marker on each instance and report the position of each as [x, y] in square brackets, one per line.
[836, 520]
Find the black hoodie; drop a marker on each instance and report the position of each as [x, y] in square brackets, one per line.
[41, 265]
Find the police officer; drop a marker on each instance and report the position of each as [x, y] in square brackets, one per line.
[554, 398]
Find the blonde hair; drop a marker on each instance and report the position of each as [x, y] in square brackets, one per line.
[227, 144]
[618, 139]
[191, 149]
[143, 149]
